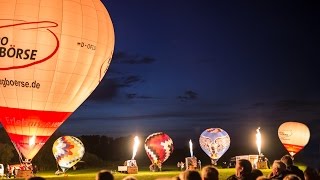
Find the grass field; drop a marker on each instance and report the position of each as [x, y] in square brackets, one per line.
[142, 175]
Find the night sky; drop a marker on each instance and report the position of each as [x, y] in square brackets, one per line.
[184, 66]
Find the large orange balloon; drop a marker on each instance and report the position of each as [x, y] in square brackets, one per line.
[294, 136]
[53, 54]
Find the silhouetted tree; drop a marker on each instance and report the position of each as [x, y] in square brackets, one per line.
[45, 159]
[6, 153]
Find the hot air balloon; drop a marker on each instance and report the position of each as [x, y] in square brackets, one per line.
[158, 146]
[67, 150]
[214, 142]
[294, 136]
[53, 54]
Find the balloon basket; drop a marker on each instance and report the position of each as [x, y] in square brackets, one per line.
[191, 163]
[262, 165]
[25, 174]
[130, 167]
[132, 170]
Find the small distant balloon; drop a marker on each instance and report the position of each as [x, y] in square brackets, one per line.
[294, 136]
[68, 151]
[214, 142]
[158, 146]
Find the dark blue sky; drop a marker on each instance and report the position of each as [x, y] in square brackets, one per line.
[184, 66]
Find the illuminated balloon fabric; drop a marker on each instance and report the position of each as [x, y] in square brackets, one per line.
[68, 150]
[159, 147]
[294, 136]
[53, 54]
[214, 142]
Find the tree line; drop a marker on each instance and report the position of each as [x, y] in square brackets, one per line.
[100, 151]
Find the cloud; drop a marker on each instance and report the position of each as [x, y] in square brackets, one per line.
[124, 58]
[188, 95]
[106, 90]
[288, 105]
[201, 117]
[109, 88]
[116, 78]
[135, 96]
[297, 105]
[285, 109]
[258, 105]
[129, 80]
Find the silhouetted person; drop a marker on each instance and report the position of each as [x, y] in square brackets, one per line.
[129, 178]
[243, 170]
[209, 173]
[14, 172]
[291, 168]
[311, 174]
[35, 169]
[104, 175]
[36, 178]
[278, 170]
[190, 175]
[256, 173]
[262, 178]
[291, 177]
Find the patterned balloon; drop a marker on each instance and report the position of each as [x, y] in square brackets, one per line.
[214, 142]
[53, 54]
[294, 136]
[159, 146]
[67, 150]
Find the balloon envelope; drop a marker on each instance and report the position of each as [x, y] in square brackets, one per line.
[67, 150]
[53, 55]
[214, 142]
[294, 136]
[158, 146]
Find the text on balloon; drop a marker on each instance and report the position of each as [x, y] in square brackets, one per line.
[5, 82]
[13, 52]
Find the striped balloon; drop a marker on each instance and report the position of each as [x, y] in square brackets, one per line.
[158, 146]
[67, 150]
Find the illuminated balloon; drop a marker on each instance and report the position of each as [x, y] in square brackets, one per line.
[214, 142]
[159, 146]
[53, 54]
[294, 136]
[67, 150]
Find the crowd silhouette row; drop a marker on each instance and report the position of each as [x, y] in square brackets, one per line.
[283, 169]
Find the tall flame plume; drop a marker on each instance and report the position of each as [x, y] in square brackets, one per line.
[135, 146]
[258, 140]
[191, 149]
